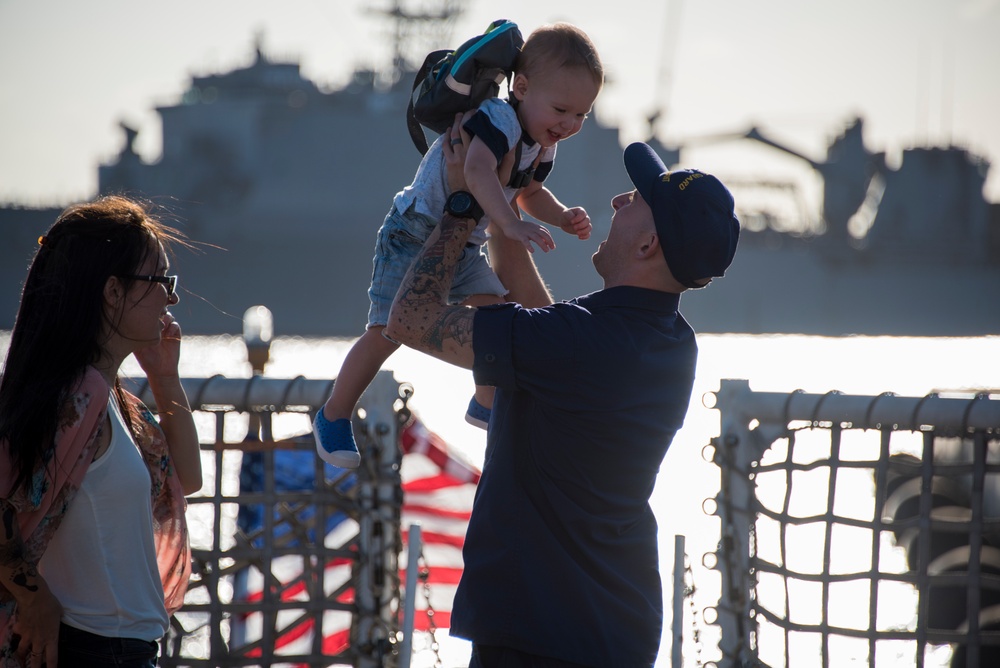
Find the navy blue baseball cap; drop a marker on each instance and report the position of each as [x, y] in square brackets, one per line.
[693, 212]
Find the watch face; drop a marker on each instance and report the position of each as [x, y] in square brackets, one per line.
[462, 204]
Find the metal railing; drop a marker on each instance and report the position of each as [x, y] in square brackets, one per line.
[854, 528]
[285, 589]
[857, 530]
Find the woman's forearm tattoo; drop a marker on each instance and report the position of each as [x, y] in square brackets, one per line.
[12, 553]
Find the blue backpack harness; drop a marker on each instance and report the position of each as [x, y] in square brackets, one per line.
[452, 82]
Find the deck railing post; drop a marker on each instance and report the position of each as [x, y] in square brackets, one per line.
[410, 596]
[677, 660]
[379, 501]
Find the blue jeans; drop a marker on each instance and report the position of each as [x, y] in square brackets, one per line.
[79, 648]
[397, 245]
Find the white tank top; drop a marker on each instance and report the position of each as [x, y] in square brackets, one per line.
[101, 563]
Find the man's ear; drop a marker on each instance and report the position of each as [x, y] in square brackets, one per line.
[650, 246]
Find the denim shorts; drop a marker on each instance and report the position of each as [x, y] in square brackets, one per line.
[81, 648]
[399, 239]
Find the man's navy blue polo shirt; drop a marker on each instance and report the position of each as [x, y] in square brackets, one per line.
[561, 551]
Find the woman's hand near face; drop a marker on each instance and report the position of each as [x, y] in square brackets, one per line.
[160, 363]
[161, 360]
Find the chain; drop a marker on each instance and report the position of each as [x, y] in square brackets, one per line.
[403, 413]
[424, 575]
[752, 629]
[689, 592]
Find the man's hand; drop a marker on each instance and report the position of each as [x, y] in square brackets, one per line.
[576, 221]
[456, 143]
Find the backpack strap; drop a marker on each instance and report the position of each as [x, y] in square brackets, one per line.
[416, 130]
[521, 178]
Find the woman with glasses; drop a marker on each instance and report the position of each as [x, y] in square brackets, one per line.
[94, 552]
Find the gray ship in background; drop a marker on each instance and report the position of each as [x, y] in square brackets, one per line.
[281, 187]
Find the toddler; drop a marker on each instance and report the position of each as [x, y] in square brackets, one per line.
[557, 78]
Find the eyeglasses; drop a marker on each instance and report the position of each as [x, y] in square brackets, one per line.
[169, 281]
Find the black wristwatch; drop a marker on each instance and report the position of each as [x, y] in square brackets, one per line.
[462, 204]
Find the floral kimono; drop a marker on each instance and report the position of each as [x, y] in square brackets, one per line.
[43, 501]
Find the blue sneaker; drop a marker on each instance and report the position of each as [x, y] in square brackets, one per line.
[477, 414]
[335, 442]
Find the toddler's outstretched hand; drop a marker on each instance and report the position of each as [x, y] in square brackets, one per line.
[576, 221]
[527, 232]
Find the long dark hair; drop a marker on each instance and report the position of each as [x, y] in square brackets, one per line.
[61, 318]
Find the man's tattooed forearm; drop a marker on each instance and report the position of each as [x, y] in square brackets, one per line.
[422, 314]
[430, 281]
[422, 291]
[454, 324]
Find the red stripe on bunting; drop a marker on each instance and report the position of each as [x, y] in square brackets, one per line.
[435, 511]
[441, 575]
[431, 483]
[435, 538]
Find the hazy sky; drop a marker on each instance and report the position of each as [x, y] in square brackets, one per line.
[917, 70]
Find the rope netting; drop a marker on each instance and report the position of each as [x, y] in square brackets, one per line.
[854, 536]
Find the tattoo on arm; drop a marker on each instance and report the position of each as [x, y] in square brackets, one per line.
[425, 291]
[12, 552]
[9, 519]
[455, 324]
[26, 577]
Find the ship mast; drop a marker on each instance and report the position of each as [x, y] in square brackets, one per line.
[665, 77]
[417, 29]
